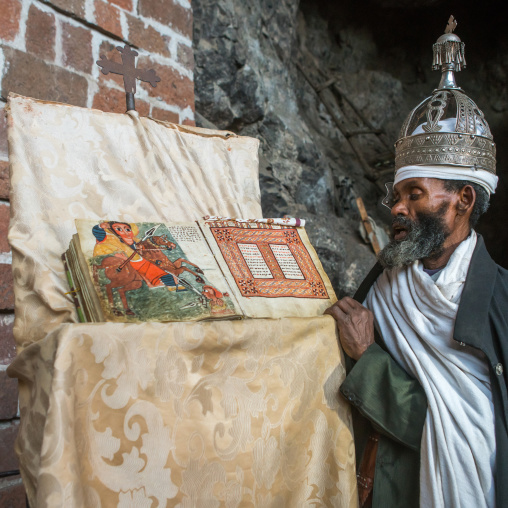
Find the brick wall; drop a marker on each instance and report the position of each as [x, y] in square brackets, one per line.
[48, 50]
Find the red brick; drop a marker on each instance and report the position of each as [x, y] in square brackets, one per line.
[164, 115]
[12, 493]
[3, 134]
[7, 344]
[185, 56]
[168, 12]
[77, 47]
[192, 123]
[8, 396]
[146, 37]
[124, 4]
[9, 18]
[4, 180]
[40, 33]
[76, 7]
[113, 101]
[107, 16]
[142, 107]
[173, 88]
[4, 226]
[30, 76]
[111, 53]
[6, 290]
[110, 100]
[8, 433]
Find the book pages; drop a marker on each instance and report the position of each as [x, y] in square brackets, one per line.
[153, 271]
[272, 269]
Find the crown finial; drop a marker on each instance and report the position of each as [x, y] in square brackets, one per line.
[451, 26]
[449, 55]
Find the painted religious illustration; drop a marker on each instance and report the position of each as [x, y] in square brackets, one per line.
[270, 265]
[218, 268]
[142, 273]
[268, 261]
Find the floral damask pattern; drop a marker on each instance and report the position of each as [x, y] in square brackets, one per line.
[248, 417]
[230, 413]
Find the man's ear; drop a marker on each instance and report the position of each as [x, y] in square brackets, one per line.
[466, 201]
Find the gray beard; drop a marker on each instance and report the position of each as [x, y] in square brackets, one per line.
[425, 239]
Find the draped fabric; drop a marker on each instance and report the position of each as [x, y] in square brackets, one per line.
[72, 163]
[229, 413]
[416, 318]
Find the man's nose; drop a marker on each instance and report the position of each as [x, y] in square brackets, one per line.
[399, 208]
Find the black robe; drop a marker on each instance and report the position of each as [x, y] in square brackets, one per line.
[385, 396]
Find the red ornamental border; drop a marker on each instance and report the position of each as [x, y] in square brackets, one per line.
[228, 238]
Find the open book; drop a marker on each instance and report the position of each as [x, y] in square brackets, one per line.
[217, 268]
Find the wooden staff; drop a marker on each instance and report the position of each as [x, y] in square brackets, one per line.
[368, 226]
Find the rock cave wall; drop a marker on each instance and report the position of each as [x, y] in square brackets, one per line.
[249, 58]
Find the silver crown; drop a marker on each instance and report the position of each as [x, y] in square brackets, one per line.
[447, 127]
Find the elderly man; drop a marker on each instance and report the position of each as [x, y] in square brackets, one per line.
[427, 331]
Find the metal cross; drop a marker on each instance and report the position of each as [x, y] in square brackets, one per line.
[129, 71]
[451, 26]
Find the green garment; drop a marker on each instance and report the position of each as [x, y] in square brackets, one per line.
[396, 406]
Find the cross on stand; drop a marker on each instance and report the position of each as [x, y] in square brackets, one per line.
[129, 71]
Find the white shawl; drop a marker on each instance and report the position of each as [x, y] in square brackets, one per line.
[416, 317]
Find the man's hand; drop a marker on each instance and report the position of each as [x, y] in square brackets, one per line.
[355, 324]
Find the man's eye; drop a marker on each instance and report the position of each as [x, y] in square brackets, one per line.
[414, 197]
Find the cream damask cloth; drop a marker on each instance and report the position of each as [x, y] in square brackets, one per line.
[227, 414]
[75, 163]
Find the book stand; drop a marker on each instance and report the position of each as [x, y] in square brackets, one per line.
[228, 413]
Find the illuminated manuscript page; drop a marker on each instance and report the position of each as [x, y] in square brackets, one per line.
[158, 302]
[273, 271]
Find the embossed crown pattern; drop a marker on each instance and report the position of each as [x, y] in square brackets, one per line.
[447, 127]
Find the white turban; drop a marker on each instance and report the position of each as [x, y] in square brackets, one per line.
[482, 177]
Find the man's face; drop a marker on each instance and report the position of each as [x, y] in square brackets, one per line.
[124, 232]
[423, 218]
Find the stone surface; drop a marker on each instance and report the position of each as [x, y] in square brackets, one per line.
[247, 81]
[7, 344]
[8, 432]
[9, 25]
[249, 84]
[8, 396]
[40, 33]
[4, 180]
[168, 12]
[6, 290]
[77, 47]
[12, 493]
[53, 83]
